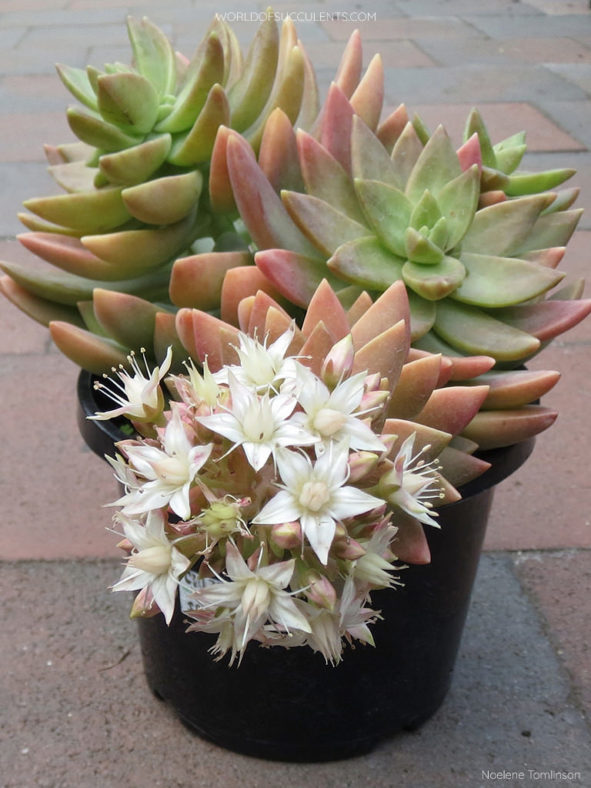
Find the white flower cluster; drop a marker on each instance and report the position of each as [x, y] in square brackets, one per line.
[277, 488]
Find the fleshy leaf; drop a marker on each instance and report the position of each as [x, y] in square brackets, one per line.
[136, 164]
[388, 210]
[164, 200]
[365, 262]
[473, 331]
[196, 281]
[205, 70]
[96, 354]
[492, 429]
[437, 165]
[322, 223]
[126, 318]
[295, 276]
[128, 100]
[501, 281]
[505, 228]
[434, 282]
[89, 212]
[196, 146]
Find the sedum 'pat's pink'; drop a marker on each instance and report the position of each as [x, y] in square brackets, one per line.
[316, 495]
[169, 473]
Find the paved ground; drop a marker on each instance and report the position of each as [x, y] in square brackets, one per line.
[74, 708]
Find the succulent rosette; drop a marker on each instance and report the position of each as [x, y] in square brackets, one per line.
[137, 183]
[290, 495]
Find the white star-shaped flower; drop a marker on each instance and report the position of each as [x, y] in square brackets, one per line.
[170, 472]
[261, 367]
[258, 422]
[316, 495]
[155, 562]
[331, 414]
[139, 397]
[252, 598]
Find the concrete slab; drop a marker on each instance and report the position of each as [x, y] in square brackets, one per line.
[77, 711]
[558, 584]
[478, 83]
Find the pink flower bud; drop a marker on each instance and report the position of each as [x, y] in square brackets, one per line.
[288, 536]
[348, 549]
[321, 591]
[338, 362]
[360, 464]
[373, 399]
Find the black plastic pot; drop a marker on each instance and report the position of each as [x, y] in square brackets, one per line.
[286, 704]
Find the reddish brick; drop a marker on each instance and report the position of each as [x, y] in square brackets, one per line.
[56, 487]
[502, 119]
[394, 29]
[34, 130]
[402, 54]
[547, 503]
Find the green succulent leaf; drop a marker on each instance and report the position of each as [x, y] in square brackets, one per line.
[77, 82]
[422, 315]
[286, 95]
[564, 199]
[325, 178]
[535, 182]
[439, 234]
[475, 125]
[36, 307]
[97, 132]
[152, 54]
[458, 201]
[426, 211]
[505, 228]
[89, 212]
[323, 224]
[388, 211]
[554, 229]
[405, 153]
[492, 179]
[502, 281]
[365, 262]
[249, 94]
[369, 158]
[472, 331]
[205, 70]
[164, 200]
[128, 100]
[434, 282]
[437, 165]
[136, 252]
[508, 159]
[135, 165]
[65, 288]
[196, 146]
[126, 318]
[419, 249]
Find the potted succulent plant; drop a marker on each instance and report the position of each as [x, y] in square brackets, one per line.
[280, 488]
[356, 300]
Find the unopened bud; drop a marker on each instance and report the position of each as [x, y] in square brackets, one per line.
[360, 464]
[288, 536]
[338, 362]
[372, 382]
[348, 549]
[320, 591]
[373, 400]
